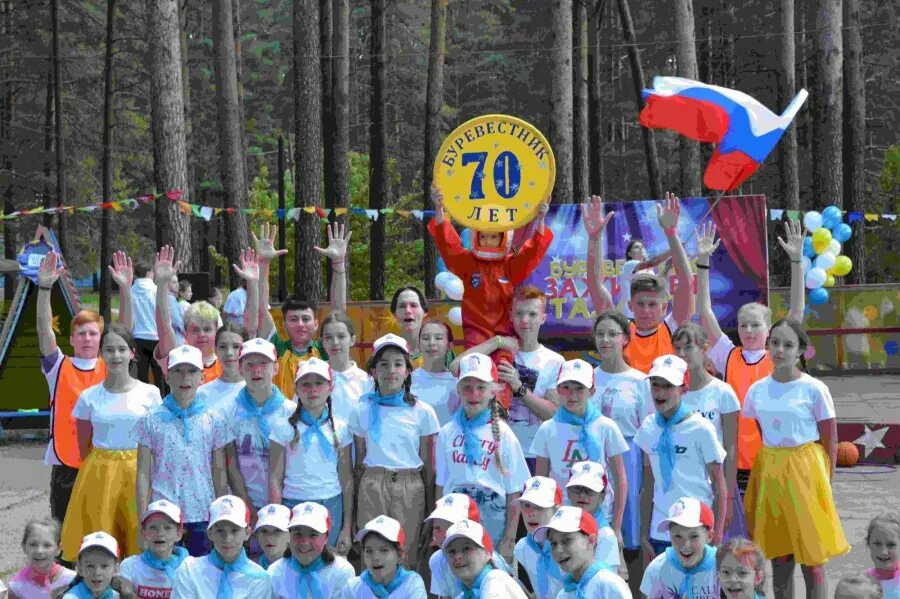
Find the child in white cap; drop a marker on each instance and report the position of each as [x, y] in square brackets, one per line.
[311, 569]
[469, 551]
[310, 453]
[271, 533]
[98, 561]
[382, 546]
[540, 500]
[689, 565]
[479, 455]
[682, 456]
[181, 450]
[572, 534]
[587, 489]
[152, 573]
[227, 572]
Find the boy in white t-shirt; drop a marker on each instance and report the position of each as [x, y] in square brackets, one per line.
[152, 573]
[541, 499]
[587, 490]
[468, 548]
[688, 568]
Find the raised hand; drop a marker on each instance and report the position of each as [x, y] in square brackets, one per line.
[249, 268]
[165, 267]
[437, 198]
[794, 244]
[121, 270]
[265, 243]
[338, 240]
[593, 218]
[706, 239]
[667, 213]
[48, 272]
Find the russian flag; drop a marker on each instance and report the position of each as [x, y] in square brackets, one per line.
[745, 130]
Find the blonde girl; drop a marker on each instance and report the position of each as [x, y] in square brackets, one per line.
[338, 335]
[41, 574]
[741, 568]
[883, 541]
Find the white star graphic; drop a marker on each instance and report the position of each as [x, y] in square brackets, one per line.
[457, 197]
[531, 183]
[871, 439]
[498, 182]
[626, 237]
[543, 165]
[450, 172]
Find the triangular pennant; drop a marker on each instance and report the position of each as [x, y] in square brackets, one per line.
[776, 214]
[372, 214]
[206, 212]
[280, 213]
[417, 214]
[890, 217]
[294, 213]
[793, 214]
[854, 217]
[872, 218]
[340, 211]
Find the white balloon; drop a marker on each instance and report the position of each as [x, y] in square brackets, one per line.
[825, 261]
[442, 278]
[807, 264]
[455, 315]
[455, 289]
[812, 220]
[815, 278]
[834, 247]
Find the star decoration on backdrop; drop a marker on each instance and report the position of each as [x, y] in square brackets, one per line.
[626, 237]
[871, 439]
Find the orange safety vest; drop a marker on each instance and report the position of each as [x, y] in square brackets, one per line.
[740, 375]
[643, 349]
[70, 382]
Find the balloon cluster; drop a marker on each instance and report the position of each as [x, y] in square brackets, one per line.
[822, 258]
[453, 287]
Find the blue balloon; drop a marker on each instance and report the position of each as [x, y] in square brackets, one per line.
[842, 232]
[818, 296]
[808, 250]
[831, 217]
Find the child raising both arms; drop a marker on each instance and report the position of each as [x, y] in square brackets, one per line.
[41, 574]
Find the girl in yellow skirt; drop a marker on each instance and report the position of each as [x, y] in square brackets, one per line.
[106, 414]
[790, 507]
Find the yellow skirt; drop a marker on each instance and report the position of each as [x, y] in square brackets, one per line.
[104, 498]
[790, 507]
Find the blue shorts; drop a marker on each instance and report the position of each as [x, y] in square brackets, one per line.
[633, 460]
[335, 507]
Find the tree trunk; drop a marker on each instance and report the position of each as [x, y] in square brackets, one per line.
[728, 28]
[379, 185]
[637, 77]
[61, 193]
[106, 161]
[326, 49]
[561, 99]
[231, 152]
[6, 147]
[595, 112]
[47, 219]
[200, 251]
[434, 99]
[239, 71]
[787, 149]
[308, 155]
[580, 152]
[854, 139]
[686, 58]
[828, 97]
[340, 110]
[169, 149]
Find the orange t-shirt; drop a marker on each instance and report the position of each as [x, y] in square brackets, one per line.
[740, 375]
[643, 349]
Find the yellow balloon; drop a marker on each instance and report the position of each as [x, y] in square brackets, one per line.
[821, 237]
[829, 281]
[842, 265]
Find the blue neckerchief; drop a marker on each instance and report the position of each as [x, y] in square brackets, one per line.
[81, 591]
[314, 428]
[241, 565]
[545, 566]
[666, 446]
[569, 583]
[585, 438]
[168, 565]
[707, 564]
[475, 591]
[601, 517]
[271, 405]
[264, 562]
[377, 400]
[381, 591]
[471, 443]
[308, 583]
[175, 412]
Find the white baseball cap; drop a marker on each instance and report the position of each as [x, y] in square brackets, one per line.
[259, 346]
[541, 491]
[390, 340]
[231, 509]
[454, 508]
[185, 354]
[469, 529]
[478, 366]
[669, 367]
[313, 366]
[688, 512]
[588, 474]
[275, 515]
[311, 514]
[166, 508]
[102, 540]
[576, 370]
[567, 519]
[386, 527]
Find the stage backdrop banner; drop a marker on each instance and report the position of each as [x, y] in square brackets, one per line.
[739, 267]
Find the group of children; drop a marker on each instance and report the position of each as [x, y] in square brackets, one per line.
[271, 459]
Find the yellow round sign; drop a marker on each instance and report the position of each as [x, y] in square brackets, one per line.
[494, 172]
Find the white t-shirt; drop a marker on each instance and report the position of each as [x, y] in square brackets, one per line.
[789, 413]
[497, 584]
[661, 577]
[402, 428]
[311, 474]
[451, 469]
[625, 276]
[148, 583]
[114, 415]
[349, 386]
[696, 446]
[718, 353]
[438, 390]
[218, 393]
[23, 588]
[198, 578]
[713, 400]
[253, 446]
[444, 583]
[332, 578]
[413, 588]
[52, 374]
[623, 397]
[604, 585]
[544, 364]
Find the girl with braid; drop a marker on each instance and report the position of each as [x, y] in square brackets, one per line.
[309, 455]
[479, 455]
